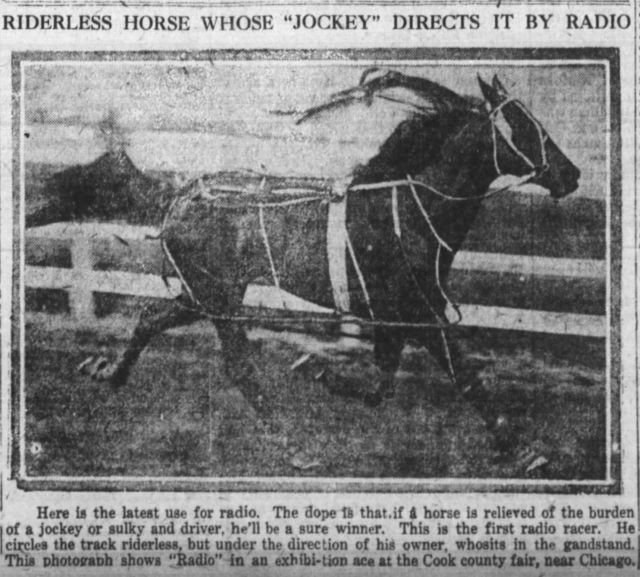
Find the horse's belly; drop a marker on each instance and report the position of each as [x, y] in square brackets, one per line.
[221, 251]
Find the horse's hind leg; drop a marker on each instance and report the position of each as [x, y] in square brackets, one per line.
[239, 361]
[387, 351]
[154, 320]
[388, 344]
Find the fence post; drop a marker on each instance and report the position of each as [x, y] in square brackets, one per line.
[80, 295]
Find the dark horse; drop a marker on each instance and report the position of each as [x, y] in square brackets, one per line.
[407, 209]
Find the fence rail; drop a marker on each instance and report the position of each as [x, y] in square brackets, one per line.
[81, 281]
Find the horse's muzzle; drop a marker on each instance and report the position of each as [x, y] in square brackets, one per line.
[567, 183]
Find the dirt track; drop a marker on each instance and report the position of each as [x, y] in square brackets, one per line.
[178, 418]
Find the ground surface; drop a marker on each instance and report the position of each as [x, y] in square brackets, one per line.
[177, 416]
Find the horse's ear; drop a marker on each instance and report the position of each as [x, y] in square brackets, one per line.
[488, 92]
[498, 86]
[367, 73]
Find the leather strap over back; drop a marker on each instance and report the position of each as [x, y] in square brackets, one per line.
[337, 254]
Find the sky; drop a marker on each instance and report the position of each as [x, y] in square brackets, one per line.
[203, 116]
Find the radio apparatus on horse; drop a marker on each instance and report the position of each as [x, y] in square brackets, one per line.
[247, 201]
[263, 198]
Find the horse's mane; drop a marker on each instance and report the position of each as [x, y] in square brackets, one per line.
[436, 97]
[417, 141]
[426, 97]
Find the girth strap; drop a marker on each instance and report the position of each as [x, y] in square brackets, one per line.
[337, 254]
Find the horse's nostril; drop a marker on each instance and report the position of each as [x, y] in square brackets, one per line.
[573, 174]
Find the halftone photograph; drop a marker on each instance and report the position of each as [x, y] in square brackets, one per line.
[356, 270]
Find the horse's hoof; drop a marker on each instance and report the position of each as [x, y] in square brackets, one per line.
[100, 369]
[92, 366]
[532, 463]
[85, 366]
[537, 465]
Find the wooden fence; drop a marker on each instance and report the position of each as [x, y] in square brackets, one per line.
[81, 281]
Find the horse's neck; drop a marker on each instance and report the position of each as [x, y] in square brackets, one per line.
[464, 172]
[467, 166]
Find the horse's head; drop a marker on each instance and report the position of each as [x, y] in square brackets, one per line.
[528, 148]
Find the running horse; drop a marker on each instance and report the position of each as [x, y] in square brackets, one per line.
[406, 212]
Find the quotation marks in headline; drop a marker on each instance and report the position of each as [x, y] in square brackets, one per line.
[320, 22]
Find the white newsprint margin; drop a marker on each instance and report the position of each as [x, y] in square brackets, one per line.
[183, 468]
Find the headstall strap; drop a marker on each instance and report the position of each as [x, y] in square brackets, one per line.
[535, 169]
[267, 246]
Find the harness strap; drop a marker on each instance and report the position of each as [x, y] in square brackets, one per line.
[436, 264]
[183, 282]
[394, 211]
[444, 294]
[507, 139]
[447, 354]
[496, 128]
[360, 276]
[276, 204]
[425, 214]
[440, 322]
[265, 239]
[337, 253]
[408, 181]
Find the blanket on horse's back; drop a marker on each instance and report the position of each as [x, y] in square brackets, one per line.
[225, 233]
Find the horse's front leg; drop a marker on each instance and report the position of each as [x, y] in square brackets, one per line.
[238, 356]
[353, 384]
[387, 351]
[154, 320]
[466, 378]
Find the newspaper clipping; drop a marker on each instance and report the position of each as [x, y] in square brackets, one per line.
[293, 288]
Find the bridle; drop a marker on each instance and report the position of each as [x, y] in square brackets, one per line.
[537, 170]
